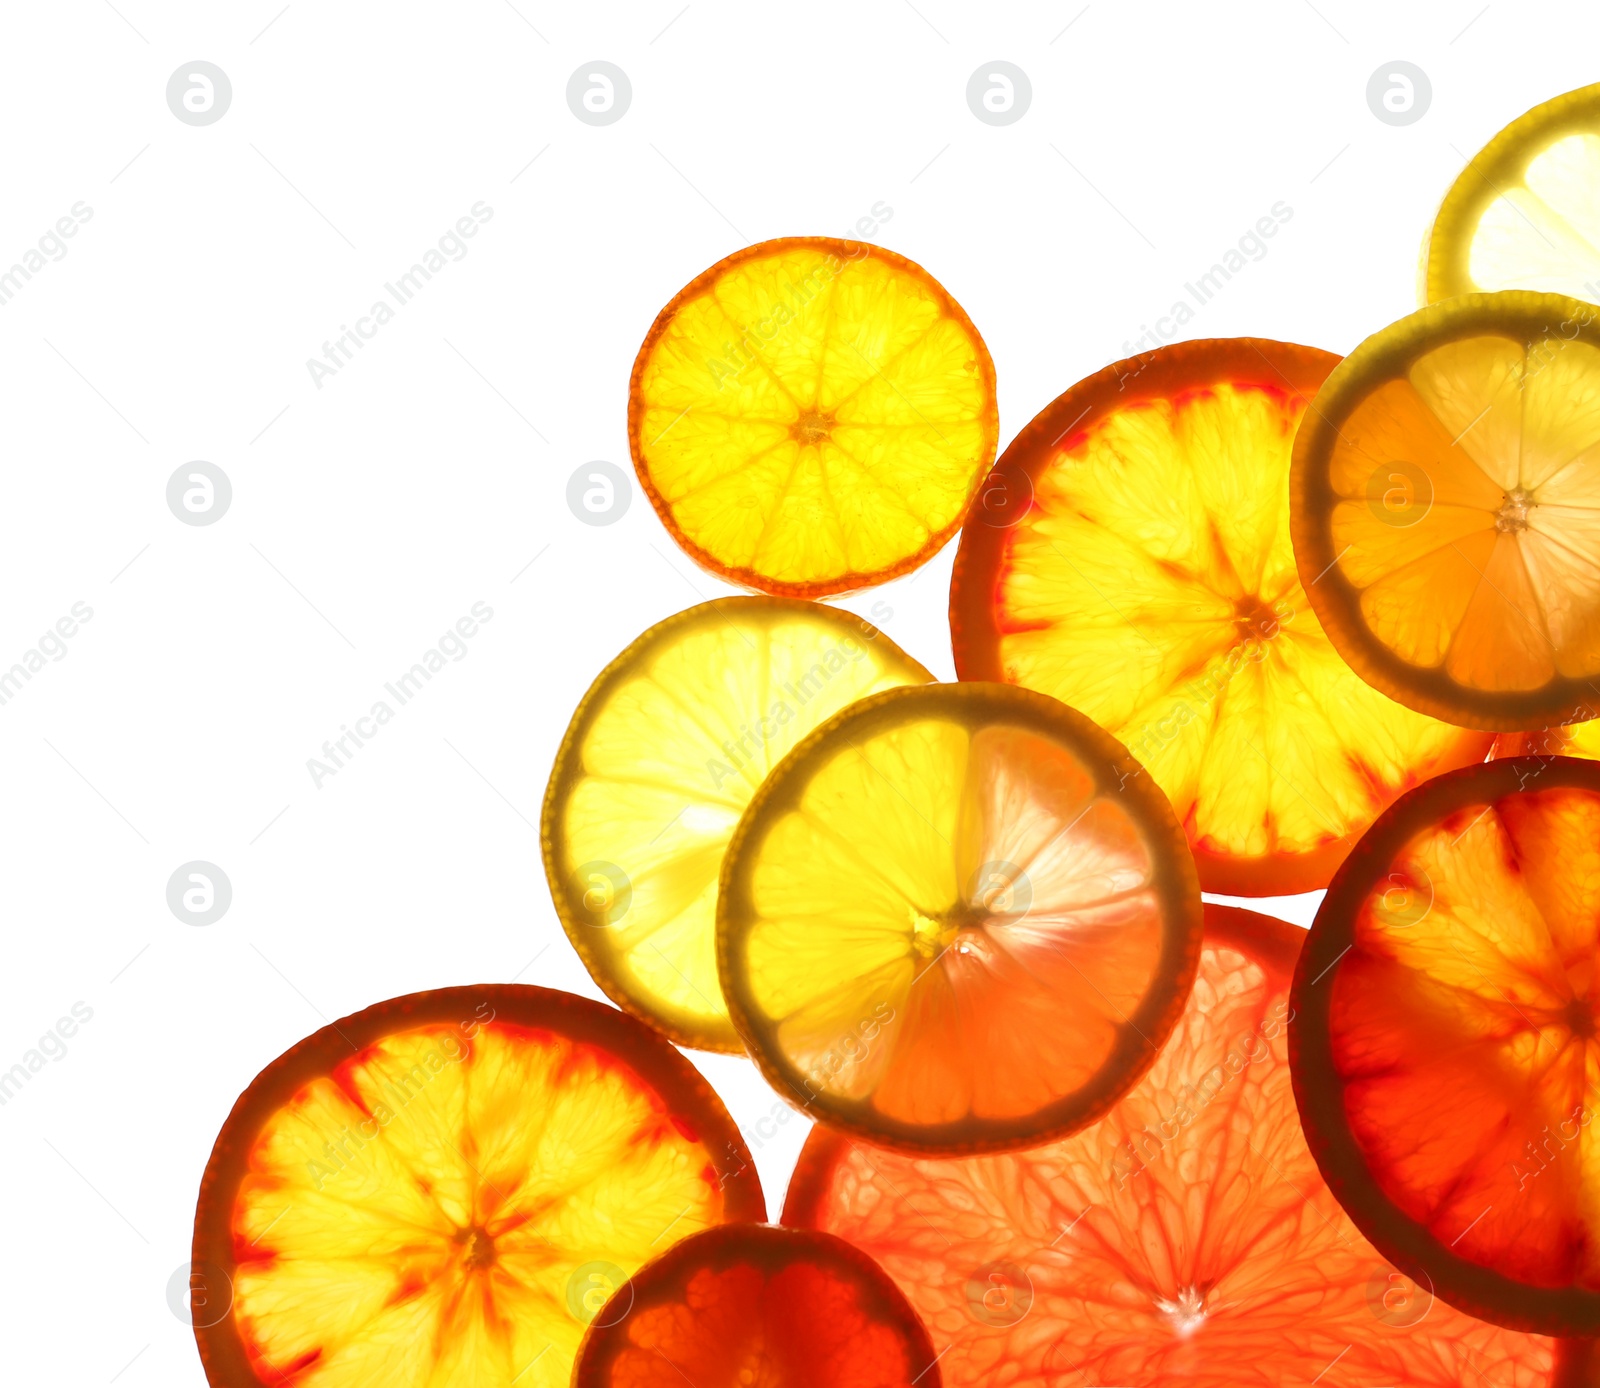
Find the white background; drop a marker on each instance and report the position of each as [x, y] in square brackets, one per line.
[430, 473]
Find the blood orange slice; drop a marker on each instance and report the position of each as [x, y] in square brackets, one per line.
[755, 1306]
[1184, 1239]
[956, 918]
[1445, 1040]
[1130, 555]
[441, 1190]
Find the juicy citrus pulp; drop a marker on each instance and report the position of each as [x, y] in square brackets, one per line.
[660, 759]
[1185, 1238]
[1130, 555]
[812, 415]
[1446, 1041]
[440, 1191]
[753, 1306]
[1524, 213]
[1446, 496]
[956, 918]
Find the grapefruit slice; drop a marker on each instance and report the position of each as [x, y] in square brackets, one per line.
[1524, 213]
[659, 761]
[1130, 555]
[810, 416]
[1445, 1045]
[1445, 498]
[1184, 1239]
[440, 1191]
[755, 1306]
[956, 918]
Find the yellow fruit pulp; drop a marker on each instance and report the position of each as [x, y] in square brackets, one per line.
[449, 1213]
[813, 415]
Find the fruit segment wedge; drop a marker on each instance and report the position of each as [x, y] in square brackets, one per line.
[1446, 502]
[1130, 555]
[659, 761]
[1525, 212]
[956, 918]
[1184, 1239]
[1445, 1049]
[754, 1306]
[811, 415]
[439, 1192]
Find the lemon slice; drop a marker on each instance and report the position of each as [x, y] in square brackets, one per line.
[810, 416]
[957, 918]
[1525, 212]
[660, 760]
[1446, 509]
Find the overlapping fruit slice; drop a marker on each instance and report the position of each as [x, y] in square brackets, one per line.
[957, 918]
[660, 759]
[1563, 740]
[1446, 501]
[440, 1191]
[1525, 212]
[1445, 1040]
[1184, 1239]
[756, 1306]
[1130, 555]
[812, 415]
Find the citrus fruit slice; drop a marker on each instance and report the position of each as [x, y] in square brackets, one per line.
[1524, 213]
[1445, 504]
[1130, 555]
[1563, 740]
[956, 918]
[659, 761]
[810, 416]
[756, 1306]
[440, 1191]
[1185, 1238]
[1445, 1046]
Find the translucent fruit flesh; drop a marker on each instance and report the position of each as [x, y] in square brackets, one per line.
[1146, 577]
[1184, 1239]
[660, 760]
[810, 416]
[753, 1306]
[956, 919]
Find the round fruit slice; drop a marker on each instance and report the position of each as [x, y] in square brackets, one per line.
[441, 1190]
[1445, 1040]
[1130, 555]
[754, 1306]
[1445, 504]
[957, 918]
[1184, 1239]
[810, 416]
[660, 759]
[1524, 213]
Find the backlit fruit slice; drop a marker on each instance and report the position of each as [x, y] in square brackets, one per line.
[1525, 212]
[1445, 498]
[957, 918]
[1564, 740]
[1445, 1041]
[756, 1306]
[1184, 1239]
[660, 759]
[810, 416]
[1130, 555]
[442, 1190]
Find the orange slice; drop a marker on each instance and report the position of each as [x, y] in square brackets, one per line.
[1446, 500]
[658, 763]
[810, 416]
[956, 918]
[754, 1306]
[440, 1191]
[1563, 740]
[1524, 213]
[1184, 1239]
[1130, 555]
[1445, 1041]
